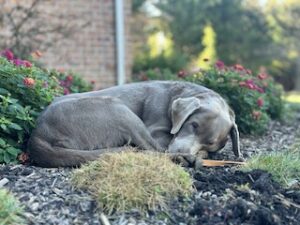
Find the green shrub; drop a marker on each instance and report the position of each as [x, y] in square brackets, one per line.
[25, 91]
[10, 211]
[254, 99]
[72, 82]
[284, 166]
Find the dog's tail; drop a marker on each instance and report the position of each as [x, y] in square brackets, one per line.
[41, 153]
[234, 134]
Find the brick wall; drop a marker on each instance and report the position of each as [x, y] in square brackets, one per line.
[91, 51]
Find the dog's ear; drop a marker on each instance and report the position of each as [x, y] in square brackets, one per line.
[182, 108]
[234, 134]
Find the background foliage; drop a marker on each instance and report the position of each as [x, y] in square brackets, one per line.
[255, 33]
[255, 98]
[24, 92]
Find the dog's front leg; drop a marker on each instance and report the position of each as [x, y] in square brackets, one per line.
[186, 160]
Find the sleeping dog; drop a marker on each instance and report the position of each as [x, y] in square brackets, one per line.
[176, 117]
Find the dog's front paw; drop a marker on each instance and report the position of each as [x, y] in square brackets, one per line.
[187, 160]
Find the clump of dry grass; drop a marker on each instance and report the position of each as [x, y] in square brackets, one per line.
[126, 180]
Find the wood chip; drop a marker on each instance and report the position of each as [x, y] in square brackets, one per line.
[287, 202]
[104, 219]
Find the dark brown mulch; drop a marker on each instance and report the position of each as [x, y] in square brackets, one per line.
[224, 195]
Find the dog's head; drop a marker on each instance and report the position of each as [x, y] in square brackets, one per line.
[202, 123]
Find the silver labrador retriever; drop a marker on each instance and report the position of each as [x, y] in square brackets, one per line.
[179, 117]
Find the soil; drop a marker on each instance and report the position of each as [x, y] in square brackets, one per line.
[224, 195]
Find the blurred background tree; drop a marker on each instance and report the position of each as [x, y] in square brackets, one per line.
[260, 34]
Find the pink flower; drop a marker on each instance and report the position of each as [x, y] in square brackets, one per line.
[29, 82]
[260, 102]
[8, 54]
[260, 90]
[62, 83]
[66, 91]
[250, 84]
[18, 62]
[248, 71]
[220, 65]
[262, 76]
[27, 63]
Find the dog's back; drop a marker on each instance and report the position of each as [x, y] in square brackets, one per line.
[73, 131]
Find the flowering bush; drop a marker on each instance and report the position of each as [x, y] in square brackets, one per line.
[25, 91]
[255, 98]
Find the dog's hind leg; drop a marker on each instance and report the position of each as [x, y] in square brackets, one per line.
[141, 137]
[45, 155]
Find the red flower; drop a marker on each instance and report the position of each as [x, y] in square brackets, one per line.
[238, 67]
[27, 63]
[262, 76]
[181, 74]
[260, 102]
[8, 54]
[256, 115]
[220, 65]
[29, 82]
[69, 78]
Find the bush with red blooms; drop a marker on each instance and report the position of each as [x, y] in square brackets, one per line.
[255, 98]
[25, 90]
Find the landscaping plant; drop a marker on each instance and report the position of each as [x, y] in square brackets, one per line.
[10, 210]
[24, 92]
[255, 98]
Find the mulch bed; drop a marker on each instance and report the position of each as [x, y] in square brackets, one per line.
[224, 195]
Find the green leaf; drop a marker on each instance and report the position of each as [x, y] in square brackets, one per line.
[15, 126]
[3, 91]
[4, 127]
[6, 157]
[13, 151]
[2, 142]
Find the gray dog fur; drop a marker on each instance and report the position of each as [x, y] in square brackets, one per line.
[179, 117]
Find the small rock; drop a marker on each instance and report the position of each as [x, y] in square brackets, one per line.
[3, 182]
